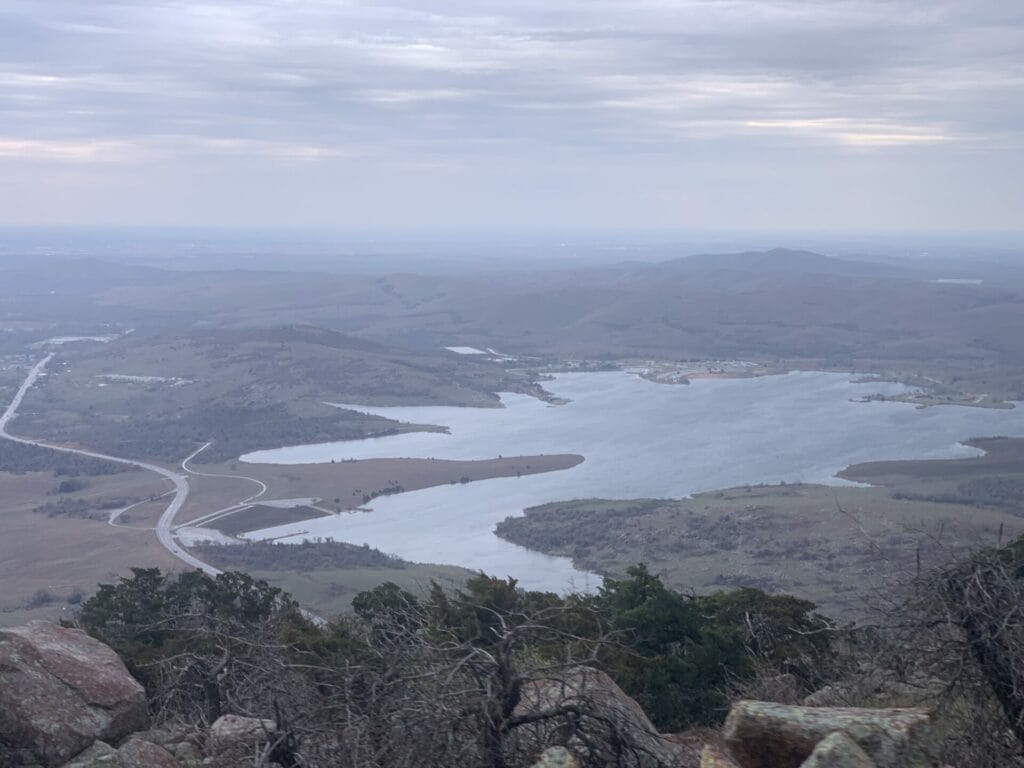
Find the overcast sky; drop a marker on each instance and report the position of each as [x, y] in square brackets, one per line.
[708, 114]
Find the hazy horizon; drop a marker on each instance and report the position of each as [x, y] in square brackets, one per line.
[440, 249]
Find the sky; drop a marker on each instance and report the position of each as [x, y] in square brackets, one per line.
[859, 115]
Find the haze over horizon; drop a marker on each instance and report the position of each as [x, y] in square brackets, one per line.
[747, 114]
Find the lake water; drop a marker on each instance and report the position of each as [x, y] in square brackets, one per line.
[639, 439]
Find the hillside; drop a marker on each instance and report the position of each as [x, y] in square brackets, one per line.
[801, 308]
[784, 261]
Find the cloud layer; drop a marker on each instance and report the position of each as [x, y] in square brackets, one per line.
[692, 113]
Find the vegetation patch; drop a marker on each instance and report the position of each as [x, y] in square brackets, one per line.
[305, 556]
[18, 458]
[90, 509]
[835, 546]
[259, 516]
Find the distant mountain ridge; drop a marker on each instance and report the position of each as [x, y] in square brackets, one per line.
[784, 261]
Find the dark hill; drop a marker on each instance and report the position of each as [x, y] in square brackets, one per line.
[784, 261]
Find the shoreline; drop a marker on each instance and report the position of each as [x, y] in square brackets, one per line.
[350, 487]
[833, 544]
[926, 394]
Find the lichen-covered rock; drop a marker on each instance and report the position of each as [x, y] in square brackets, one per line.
[784, 689]
[713, 756]
[556, 757]
[239, 735]
[689, 745]
[829, 696]
[61, 690]
[99, 755]
[872, 687]
[136, 753]
[185, 752]
[837, 750]
[181, 741]
[763, 735]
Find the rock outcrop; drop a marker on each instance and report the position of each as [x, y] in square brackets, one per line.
[837, 750]
[137, 753]
[237, 737]
[61, 691]
[68, 700]
[98, 755]
[763, 735]
[714, 756]
[134, 753]
[556, 757]
[608, 709]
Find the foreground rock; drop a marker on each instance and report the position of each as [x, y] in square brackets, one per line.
[764, 735]
[60, 691]
[237, 736]
[714, 756]
[838, 750]
[97, 755]
[556, 757]
[135, 753]
[67, 700]
[620, 732]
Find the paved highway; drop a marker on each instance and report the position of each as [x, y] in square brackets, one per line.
[181, 488]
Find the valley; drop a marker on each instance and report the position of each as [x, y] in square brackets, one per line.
[259, 360]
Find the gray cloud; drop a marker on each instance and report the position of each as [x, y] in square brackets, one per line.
[795, 113]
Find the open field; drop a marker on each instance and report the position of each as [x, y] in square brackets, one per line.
[842, 547]
[129, 501]
[994, 479]
[243, 391]
[261, 516]
[45, 560]
[158, 398]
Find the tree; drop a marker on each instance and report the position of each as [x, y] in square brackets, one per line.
[198, 643]
[486, 675]
[677, 661]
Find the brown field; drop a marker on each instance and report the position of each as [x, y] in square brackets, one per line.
[794, 539]
[346, 484]
[52, 558]
[44, 559]
[258, 516]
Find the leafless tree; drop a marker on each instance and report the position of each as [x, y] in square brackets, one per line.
[956, 645]
[414, 692]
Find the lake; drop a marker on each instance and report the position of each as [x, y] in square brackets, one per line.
[639, 439]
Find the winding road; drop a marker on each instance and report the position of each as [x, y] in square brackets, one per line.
[243, 504]
[164, 526]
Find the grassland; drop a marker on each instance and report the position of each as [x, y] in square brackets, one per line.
[48, 562]
[58, 546]
[159, 398]
[57, 504]
[354, 484]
